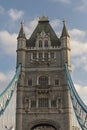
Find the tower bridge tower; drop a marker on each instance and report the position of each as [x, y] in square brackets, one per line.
[43, 101]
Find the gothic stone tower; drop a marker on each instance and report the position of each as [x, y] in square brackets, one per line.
[43, 101]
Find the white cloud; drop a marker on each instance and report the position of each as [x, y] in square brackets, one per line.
[82, 6]
[30, 26]
[77, 34]
[62, 1]
[82, 91]
[55, 23]
[2, 10]
[79, 62]
[8, 42]
[15, 14]
[5, 78]
[78, 49]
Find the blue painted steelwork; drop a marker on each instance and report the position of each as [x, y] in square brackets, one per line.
[6, 95]
[80, 108]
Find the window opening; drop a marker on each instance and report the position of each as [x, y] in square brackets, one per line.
[43, 81]
[46, 55]
[46, 43]
[56, 81]
[33, 103]
[40, 43]
[43, 102]
[34, 55]
[52, 54]
[53, 103]
[40, 55]
[30, 82]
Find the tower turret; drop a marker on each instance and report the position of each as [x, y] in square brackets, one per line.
[64, 31]
[21, 32]
[65, 44]
[21, 45]
[21, 52]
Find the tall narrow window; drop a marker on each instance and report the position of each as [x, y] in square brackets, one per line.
[56, 81]
[53, 103]
[59, 103]
[40, 43]
[46, 43]
[40, 55]
[30, 82]
[34, 55]
[43, 81]
[52, 55]
[43, 102]
[46, 55]
[33, 103]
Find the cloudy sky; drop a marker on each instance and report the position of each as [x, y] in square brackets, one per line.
[12, 12]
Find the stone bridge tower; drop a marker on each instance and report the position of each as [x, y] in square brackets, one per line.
[43, 101]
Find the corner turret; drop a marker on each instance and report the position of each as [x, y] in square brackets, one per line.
[21, 32]
[21, 45]
[21, 37]
[65, 44]
[64, 31]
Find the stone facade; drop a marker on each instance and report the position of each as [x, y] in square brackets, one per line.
[75, 128]
[43, 100]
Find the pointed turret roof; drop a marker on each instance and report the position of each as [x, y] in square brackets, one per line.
[21, 32]
[43, 25]
[64, 31]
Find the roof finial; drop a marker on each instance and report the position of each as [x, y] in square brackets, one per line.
[44, 14]
[21, 32]
[64, 22]
[22, 23]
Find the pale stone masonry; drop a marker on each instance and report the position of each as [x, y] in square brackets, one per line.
[43, 100]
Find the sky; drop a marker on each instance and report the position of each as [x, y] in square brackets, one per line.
[12, 12]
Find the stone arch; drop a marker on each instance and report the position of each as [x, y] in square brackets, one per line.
[40, 122]
[43, 75]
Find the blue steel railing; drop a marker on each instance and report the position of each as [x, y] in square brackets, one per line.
[6, 95]
[80, 108]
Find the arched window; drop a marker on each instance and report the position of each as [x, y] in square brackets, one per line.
[46, 43]
[44, 126]
[40, 43]
[43, 80]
